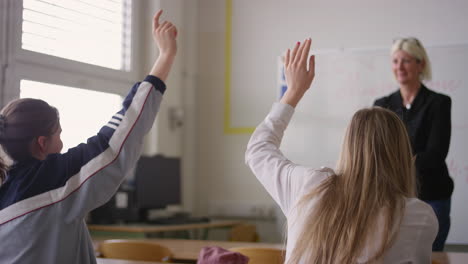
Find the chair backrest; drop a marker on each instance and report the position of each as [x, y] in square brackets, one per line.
[244, 233]
[259, 255]
[134, 250]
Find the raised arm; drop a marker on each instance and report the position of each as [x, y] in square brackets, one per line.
[164, 35]
[298, 76]
[281, 177]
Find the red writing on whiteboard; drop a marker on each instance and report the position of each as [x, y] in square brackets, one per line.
[453, 167]
[353, 88]
[459, 126]
[466, 172]
[448, 86]
[457, 170]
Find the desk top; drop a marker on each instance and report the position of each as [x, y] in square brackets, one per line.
[121, 261]
[148, 228]
[184, 249]
[449, 257]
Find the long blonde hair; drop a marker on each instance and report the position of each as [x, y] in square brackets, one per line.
[374, 175]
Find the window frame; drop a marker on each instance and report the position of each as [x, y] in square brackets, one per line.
[29, 65]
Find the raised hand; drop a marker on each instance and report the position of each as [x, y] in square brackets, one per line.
[299, 77]
[164, 34]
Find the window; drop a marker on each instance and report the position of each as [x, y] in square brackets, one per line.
[90, 31]
[69, 53]
[77, 107]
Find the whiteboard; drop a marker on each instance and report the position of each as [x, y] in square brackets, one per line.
[349, 80]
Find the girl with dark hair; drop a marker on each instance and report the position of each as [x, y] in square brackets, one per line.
[45, 196]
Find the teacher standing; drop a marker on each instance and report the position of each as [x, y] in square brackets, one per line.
[427, 116]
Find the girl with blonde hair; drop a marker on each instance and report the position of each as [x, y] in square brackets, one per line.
[363, 212]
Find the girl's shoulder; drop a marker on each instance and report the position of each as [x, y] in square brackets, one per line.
[315, 176]
[417, 204]
[419, 211]
[320, 173]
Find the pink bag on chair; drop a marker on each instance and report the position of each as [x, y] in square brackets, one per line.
[218, 255]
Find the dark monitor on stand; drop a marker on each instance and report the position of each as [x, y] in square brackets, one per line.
[157, 183]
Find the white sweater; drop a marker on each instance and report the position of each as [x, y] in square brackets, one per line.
[287, 182]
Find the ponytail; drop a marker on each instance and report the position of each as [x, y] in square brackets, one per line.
[3, 166]
[3, 170]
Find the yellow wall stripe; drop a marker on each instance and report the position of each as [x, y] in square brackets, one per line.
[227, 78]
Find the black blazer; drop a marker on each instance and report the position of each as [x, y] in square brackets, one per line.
[428, 123]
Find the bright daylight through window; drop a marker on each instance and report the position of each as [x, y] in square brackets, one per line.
[90, 31]
[80, 121]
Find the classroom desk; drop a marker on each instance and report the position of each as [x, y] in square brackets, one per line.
[146, 230]
[449, 257]
[188, 250]
[122, 261]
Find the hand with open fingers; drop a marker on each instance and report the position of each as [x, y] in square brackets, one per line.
[164, 35]
[299, 75]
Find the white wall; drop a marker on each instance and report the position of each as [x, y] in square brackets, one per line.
[272, 27]
[163, 140]
[175, 141]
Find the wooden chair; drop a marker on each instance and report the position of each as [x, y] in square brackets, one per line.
[135, 250]
[243, 233]
[261, 255]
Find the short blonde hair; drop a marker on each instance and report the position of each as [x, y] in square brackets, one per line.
[414, 47]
